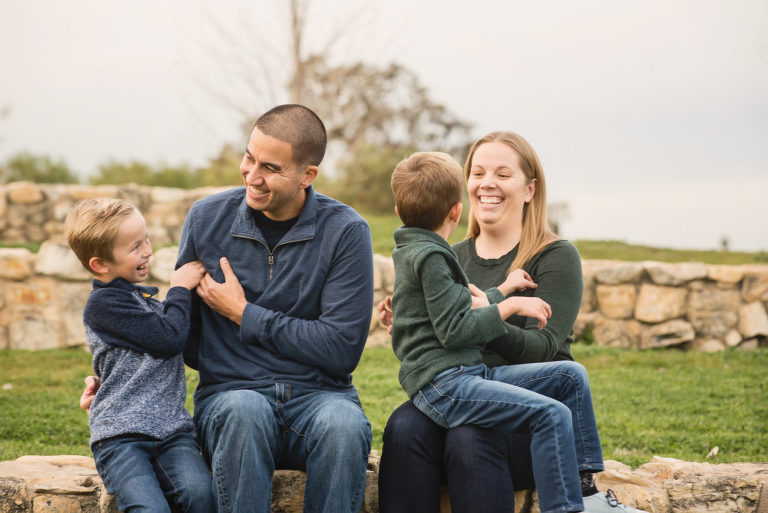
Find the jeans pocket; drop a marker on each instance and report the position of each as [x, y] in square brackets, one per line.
[448, 374]
[424, 406]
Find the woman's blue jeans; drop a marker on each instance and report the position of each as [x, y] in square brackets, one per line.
[146, 474]
[551, 401]
[247, 434]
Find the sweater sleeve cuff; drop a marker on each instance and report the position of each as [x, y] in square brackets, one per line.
[179, 295]
[494, 295]
[252, 323]
[492, 322]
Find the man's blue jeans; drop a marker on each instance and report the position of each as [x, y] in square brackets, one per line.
[247, 434]
[551, 401]
[146, 474]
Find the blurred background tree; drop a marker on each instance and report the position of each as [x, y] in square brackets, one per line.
[374, 115]
[25, 166]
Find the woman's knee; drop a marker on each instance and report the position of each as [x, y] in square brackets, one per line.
[467, 445]
[407, 425]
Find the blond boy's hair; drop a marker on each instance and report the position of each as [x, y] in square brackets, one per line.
[91, 228]
[426, 186]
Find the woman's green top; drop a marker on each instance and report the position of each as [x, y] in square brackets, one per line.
[557, 272]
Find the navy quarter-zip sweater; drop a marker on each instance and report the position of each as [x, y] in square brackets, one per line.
[310, 299]
[137, 344]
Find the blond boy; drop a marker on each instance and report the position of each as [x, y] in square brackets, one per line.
[142, 438]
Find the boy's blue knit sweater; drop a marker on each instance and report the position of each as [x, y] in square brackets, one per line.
[137, 345]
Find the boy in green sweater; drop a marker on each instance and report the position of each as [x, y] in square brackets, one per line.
[441, 324]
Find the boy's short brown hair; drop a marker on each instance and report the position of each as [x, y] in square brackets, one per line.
[91, 228]
[426, 186]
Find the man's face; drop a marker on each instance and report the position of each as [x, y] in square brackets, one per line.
[273, 182]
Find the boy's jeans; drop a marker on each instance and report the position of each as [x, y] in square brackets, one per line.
[551, 401]
[145, 473]
[247, 434]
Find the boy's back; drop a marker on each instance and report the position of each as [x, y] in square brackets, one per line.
[434, 327]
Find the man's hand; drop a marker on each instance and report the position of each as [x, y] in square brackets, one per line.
[228, 298]
[385, 313]
[92, 384]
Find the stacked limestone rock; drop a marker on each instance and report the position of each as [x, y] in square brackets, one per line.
[32, 212]
[638, 305]
[689, 305]
[54, 484]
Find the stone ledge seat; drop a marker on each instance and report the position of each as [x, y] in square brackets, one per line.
[69, 484]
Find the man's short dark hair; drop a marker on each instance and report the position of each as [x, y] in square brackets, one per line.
[298, 126]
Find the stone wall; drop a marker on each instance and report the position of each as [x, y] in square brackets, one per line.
[630, 305]
[646, 305]
[63, 484]
[626, 304]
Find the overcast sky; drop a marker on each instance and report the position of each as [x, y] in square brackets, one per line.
[650, 117]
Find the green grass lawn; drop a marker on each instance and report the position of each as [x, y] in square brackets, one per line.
[665, 402]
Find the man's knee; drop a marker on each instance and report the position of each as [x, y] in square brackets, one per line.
[342, 423]
[244, 412]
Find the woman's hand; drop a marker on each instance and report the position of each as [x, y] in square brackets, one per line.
[385, 313]
[517, 281]
[479, 299]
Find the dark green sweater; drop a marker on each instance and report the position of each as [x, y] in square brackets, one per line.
[434, 328]
[557, 272]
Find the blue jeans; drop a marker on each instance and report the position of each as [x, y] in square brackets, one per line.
[147, 475]
[551, 401]
[247, 434]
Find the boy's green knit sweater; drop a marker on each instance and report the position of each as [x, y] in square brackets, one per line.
[434, 326]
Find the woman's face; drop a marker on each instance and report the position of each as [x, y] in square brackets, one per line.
[498, 188]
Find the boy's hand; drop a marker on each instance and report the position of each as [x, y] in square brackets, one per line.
[92, 384]
[517, 280]
[385, 313]
[526, 307]
[479, 299]
[228, 298]
[188, 275]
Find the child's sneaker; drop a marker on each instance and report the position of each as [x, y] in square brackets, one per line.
[607, 503]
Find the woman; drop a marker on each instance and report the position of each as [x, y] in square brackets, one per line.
[507, 230]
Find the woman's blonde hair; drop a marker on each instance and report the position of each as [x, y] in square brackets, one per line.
[535, 234]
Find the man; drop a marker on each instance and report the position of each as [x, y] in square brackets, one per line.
[280, 324]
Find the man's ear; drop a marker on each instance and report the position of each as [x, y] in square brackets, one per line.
[98, 266]
[455, 212]
[308, 176]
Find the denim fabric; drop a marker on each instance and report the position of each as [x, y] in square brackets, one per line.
[146, 474]
[484, 467]
[247, 434]
[526, 399]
